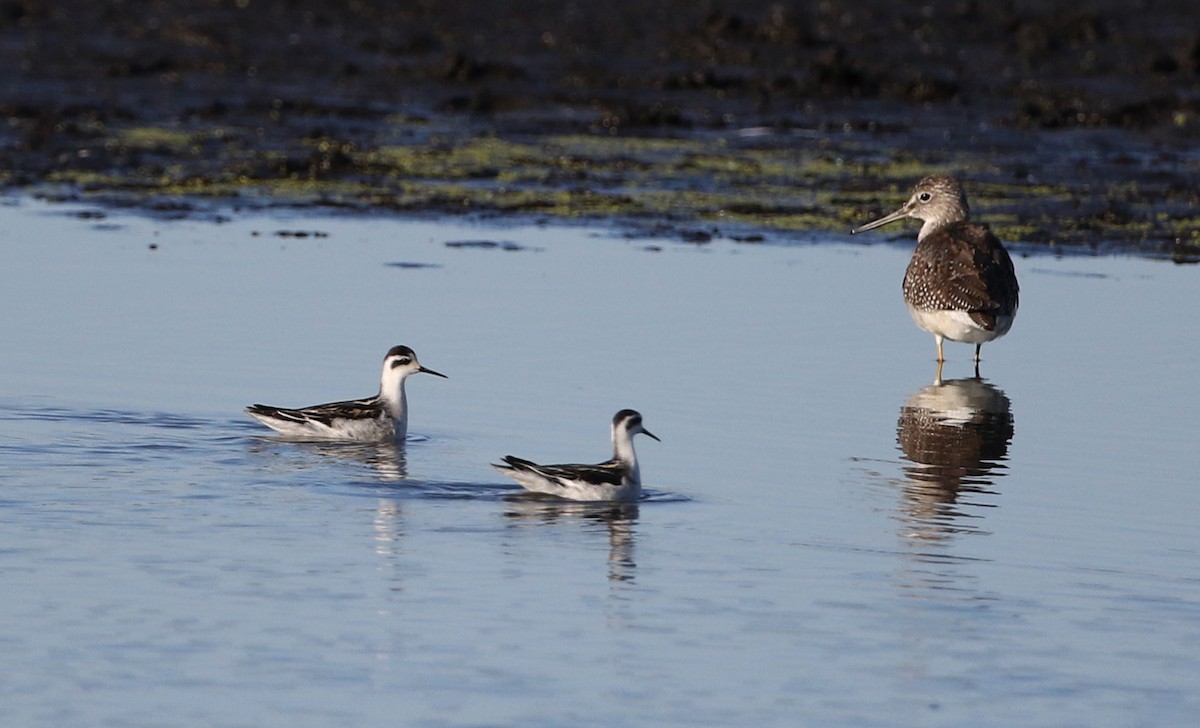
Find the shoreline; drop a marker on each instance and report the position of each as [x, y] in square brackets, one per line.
[1073, 131]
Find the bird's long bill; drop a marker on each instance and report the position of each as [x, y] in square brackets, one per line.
[891, 217]
[427, 370]
[648, 433]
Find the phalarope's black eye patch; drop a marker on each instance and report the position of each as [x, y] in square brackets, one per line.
[401, 362]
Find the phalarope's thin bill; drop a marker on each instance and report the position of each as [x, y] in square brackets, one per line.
[382, 417]
[960, 284]
[618, 479]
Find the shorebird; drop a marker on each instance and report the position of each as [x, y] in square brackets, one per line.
[381, 417]
[618, 479]
[960, 284]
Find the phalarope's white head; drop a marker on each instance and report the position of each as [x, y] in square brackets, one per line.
[960, 284]
[618, 479]
[382, 417]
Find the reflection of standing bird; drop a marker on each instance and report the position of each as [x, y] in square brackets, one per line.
[955, 433]
[960, 284]
[618, 479]
[382, 417]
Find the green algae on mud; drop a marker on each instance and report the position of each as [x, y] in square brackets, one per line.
[765, 182]
[1072, 128]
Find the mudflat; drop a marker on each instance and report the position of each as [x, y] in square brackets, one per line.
[1073, 128]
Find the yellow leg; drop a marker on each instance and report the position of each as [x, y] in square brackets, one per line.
[938, 339]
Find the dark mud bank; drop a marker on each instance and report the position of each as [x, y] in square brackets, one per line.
[1075, 129]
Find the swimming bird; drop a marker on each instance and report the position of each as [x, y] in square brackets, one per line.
[381, 417]
[618, 479]
[960, 284]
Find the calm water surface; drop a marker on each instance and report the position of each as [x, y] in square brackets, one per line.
[829, 540]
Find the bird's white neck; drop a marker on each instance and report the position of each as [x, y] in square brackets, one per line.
[927, 227]
[623, 449]
[396, 403]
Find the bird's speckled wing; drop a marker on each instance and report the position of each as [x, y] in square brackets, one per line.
[962, 267]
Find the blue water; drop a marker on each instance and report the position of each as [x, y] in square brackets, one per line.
[829, 539]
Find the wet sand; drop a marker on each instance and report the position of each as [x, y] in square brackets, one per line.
[1075, 129]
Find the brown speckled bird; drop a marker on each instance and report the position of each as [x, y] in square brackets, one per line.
[960, 284]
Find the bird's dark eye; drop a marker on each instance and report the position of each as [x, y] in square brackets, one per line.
[924, 197]
[400, 362]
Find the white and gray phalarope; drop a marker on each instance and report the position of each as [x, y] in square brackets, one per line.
[381, 417]
[618, 479]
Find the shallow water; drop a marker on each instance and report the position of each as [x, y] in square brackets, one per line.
[828, 540]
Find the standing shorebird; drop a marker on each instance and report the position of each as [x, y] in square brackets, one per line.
[382, 417]
[618, 479]
[960, 284]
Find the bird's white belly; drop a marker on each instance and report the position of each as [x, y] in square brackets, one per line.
[579, 490]
[362, 430]
[958, 326]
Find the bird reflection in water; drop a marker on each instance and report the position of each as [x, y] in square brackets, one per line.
[388, 528]
[618, 520]
[955, 435]
[386, 460]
